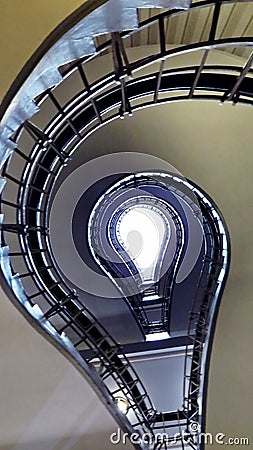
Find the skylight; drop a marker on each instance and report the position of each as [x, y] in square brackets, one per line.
[141, 231]
[157, 336]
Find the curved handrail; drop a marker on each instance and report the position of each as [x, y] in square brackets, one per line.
[51, 150]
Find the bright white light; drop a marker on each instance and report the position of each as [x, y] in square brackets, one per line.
[157, 336]
[141, 231]
[122, 404]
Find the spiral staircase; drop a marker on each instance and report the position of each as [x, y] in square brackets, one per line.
[77, 85]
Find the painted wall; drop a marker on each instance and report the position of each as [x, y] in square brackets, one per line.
[24, 26]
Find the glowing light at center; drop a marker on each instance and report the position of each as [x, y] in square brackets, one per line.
[141, 231]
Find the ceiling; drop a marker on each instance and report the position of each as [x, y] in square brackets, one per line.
[45, 402]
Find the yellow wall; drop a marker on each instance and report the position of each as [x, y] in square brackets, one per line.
[24, 24]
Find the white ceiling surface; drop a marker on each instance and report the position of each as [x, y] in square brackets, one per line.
[164, 369]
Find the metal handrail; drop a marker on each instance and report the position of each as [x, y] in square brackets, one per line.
[45, 145]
